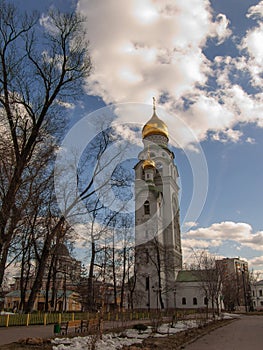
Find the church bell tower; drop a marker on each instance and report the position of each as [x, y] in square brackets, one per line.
[158, 255]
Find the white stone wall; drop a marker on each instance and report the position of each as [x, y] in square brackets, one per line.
[189, 291]
[257, 295]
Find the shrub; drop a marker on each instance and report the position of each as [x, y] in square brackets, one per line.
[140, 327]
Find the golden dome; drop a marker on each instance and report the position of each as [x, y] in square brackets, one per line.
[148, 163]
[155, 126]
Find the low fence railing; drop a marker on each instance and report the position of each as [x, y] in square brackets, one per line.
[20, 319]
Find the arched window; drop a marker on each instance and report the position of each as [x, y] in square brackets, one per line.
[194, 301]
[147, 208]
[205, 301]
[183, 301]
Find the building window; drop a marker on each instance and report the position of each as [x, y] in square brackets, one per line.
[147, 208]
[205, 301]
[194, 301]
[253, 293]
[183, 301]
[147, 283]
[260, 292]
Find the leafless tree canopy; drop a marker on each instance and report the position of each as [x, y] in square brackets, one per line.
[43, 62]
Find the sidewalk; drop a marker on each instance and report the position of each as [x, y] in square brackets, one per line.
[13, 334]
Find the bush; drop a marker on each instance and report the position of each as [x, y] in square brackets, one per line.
[140, 327]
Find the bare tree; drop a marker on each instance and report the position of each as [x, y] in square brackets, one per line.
[41, 68]
[209, 274]
[126, 253]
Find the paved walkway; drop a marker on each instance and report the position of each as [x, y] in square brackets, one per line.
[13, 334]
[244, 334]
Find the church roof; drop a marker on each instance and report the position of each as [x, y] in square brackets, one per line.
[155, 126]
[188, 276]
[148, 163]
[195, 275]
[61, 250]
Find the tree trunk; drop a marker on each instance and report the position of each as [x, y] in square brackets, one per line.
[42, 265]
[48, 283]
[123, 277]
[114, 277]
[5, 249]
[159, 277]
[90, 294]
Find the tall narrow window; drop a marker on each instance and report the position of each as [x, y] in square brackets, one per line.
[147, 283]
[183, 301]
[205, 301]
[147, 208]
[194, 301]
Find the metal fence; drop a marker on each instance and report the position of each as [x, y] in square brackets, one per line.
[18, 319]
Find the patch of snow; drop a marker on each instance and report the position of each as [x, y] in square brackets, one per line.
[108, 342]
[227, 316]
[128, 337]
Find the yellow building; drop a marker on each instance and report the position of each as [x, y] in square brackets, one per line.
[69, 300]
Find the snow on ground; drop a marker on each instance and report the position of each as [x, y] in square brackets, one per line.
[108, 342]
[228, 316]
[115, 341]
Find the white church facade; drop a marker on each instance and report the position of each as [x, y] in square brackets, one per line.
[158, 254]
[160, 281]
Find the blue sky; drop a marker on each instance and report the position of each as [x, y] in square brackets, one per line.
[203, 61]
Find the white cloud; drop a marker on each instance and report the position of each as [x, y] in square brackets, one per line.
[156, 48]
[256, 11]
[66, 105]
[257, 261]
[222, 28]
[84, 234]
[217, 233]
[252, 45]
[190, 224]
[200, 244]
[239, 236]
[250, 140]
[227, 135]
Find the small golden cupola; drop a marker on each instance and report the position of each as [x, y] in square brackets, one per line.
[149, 168]
[148, 163]
[155, 126]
